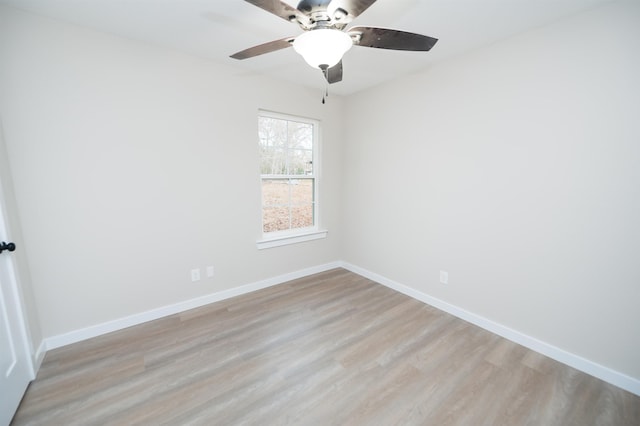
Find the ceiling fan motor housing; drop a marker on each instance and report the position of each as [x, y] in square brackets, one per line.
[319, 13]
[308, 6]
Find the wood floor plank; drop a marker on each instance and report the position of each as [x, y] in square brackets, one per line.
[330, 349]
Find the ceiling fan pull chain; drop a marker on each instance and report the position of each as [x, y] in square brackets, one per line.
[325, 71]
[326, 94]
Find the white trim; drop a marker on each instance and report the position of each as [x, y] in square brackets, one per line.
[38, 357]
[284, 240]
[616, 378]
[121, 323]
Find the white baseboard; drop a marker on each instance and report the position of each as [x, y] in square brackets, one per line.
[121, 323]
[601, 372]
[38, 357]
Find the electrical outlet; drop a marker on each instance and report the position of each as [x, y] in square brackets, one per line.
[195, 275]
[444, 277]
[210, 271]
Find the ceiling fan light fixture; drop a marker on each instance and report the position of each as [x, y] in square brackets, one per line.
[322, 46]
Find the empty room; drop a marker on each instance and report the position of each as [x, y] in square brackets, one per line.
[325, 212]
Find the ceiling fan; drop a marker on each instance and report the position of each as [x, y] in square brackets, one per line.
[325, 40]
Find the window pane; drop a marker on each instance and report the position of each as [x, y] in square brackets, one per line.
[273, 162]
[301, 192]
[301, 162]
[272, 133]
[273, 145]
[302, 216]
[275, 192]
[300, 135]
[275, 219]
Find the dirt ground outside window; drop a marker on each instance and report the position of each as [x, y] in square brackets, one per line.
[287, 204]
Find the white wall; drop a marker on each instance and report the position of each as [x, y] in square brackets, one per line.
[133, 164]
[516, 169]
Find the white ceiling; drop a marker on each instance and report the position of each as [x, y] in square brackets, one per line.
[218, 28]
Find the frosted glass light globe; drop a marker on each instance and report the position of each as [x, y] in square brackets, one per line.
[324, 46]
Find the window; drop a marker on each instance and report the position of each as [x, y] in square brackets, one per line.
[288, 148]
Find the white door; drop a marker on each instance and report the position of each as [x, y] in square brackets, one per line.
[16, 369]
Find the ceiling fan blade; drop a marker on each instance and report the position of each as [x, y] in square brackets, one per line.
[334, 74]
[352, 7]
[383, 38]
[281, 9]
[261, 49]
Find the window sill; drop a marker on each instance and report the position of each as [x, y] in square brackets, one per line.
[290, 239]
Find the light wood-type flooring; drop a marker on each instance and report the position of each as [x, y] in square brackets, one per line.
[330, 349]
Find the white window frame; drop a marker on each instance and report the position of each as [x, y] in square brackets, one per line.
[297, 235]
